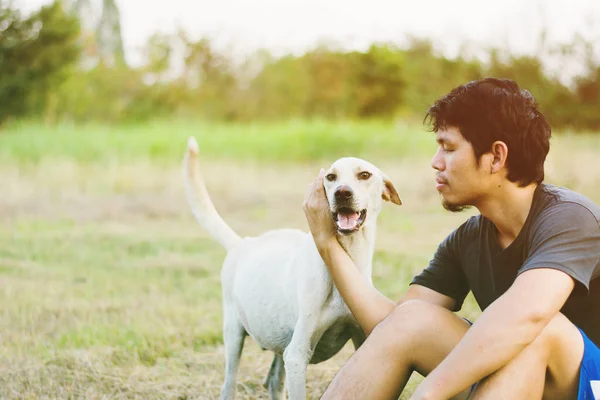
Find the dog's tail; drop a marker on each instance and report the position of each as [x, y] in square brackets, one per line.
[200, 203]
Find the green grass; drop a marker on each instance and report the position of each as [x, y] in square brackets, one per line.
[288, 142]
[109, 289]
[163, 141]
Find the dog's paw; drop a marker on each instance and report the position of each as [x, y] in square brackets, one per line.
[192, 145]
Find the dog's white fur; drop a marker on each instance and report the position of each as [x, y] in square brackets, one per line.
[276, 287]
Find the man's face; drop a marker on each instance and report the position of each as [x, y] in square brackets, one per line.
[461, 180]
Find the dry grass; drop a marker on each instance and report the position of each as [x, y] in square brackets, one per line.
[109, 289]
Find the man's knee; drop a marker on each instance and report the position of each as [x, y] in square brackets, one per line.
[423, 333]
[411, 319]
[561, 343]
[557, 331]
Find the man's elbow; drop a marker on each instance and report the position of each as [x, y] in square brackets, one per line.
[535, 320]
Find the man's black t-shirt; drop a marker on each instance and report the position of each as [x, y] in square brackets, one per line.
[562, 231]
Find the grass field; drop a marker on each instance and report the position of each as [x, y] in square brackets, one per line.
[109, 288]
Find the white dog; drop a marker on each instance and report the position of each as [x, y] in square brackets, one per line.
[276, 287]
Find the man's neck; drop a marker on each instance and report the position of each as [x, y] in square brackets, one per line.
[508, 209]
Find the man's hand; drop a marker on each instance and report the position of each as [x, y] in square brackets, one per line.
[318, 214]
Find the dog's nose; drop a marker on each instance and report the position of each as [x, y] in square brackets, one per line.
[343, 193]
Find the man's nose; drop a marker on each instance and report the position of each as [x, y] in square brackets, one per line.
[437, 162]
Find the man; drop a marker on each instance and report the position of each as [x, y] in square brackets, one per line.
[531, 259]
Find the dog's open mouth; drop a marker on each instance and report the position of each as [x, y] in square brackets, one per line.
[348, 220]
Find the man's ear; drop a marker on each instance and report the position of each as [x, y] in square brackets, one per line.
[389, 192]
[500, 153]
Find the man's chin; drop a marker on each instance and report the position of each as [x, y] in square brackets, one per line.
[454, 207]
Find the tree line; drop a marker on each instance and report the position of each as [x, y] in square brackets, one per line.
[55, 68]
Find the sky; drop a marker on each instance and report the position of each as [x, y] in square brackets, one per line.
[297, 25]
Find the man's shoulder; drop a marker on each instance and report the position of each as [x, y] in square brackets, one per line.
[568, 201]
[471, 227]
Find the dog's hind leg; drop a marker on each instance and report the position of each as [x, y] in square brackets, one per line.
[297, 355]
[275, 378]
[233, 336]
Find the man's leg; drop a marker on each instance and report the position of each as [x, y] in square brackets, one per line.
[548, 367]
[416, 336]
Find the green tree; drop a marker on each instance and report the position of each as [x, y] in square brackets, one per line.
[211, 78]
[587, 104]
[379, 82]
[35, 55]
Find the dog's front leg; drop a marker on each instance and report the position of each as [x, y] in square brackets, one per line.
[297, 356]
[358, 338]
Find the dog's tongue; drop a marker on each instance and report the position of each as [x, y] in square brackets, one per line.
[347, 221]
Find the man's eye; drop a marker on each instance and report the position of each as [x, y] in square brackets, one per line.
[364, 175]
[331, 177]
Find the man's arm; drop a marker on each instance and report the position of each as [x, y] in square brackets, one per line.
[367, 304]
[502, 331]
[419, 292]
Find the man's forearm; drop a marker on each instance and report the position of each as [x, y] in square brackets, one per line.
[366, 303]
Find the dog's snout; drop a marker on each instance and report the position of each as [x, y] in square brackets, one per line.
[343, 193]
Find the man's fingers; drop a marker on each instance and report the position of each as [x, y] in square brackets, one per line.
[318, 183]
[315, 188]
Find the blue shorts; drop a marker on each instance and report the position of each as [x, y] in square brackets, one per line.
[589, 372]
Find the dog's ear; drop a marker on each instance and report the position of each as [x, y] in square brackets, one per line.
[389, 192]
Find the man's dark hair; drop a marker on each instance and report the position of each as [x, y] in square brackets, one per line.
[494, 109]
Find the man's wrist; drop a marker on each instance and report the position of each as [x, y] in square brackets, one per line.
[327, 247]
[428, 389]
[422, 394]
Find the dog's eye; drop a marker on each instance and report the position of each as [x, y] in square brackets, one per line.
[331, 177]
[364, 175]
